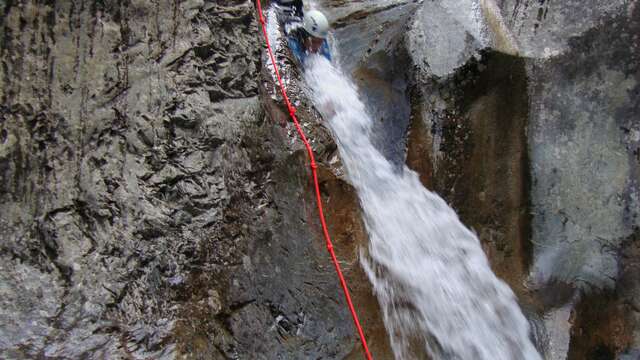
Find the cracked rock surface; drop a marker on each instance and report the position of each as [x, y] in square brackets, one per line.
[152, 203]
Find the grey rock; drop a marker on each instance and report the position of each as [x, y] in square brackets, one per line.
[582, 150]
[630, 355]
[369, 37]
[568, 165]
[445, 34]
[544, 29]
[151, 207]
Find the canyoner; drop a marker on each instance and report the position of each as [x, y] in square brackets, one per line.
[306, 31]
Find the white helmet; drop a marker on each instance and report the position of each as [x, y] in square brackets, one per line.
[316, 24]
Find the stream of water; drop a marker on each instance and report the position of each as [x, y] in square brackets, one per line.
[430, 275]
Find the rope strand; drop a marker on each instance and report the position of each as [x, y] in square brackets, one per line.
[314, 167]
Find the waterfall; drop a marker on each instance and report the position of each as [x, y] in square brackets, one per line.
[432, 280]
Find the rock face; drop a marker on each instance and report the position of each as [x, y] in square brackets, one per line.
[545, 28]
[584, 147]
[368, 36]
[155, 200]
[525, 119]
[151, 206]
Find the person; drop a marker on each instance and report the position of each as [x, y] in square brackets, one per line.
[310, 37]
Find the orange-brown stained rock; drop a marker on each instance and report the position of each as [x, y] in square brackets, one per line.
[348, 233]
[604, 323]
[420, 148]
[601, 328]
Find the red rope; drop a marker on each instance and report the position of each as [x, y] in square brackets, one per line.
[314, 167]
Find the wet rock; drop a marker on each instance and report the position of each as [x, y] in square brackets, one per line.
[443, 36]
[630, 355]
[154, 204]
[605, 324]
[545, 28]
[368, 37]
[144, 196]
[557, 80]
[584, 197]
[468, 137]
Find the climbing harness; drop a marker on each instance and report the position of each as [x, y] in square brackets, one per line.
[314, 167]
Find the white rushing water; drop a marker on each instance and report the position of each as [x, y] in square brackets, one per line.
[432, 279]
